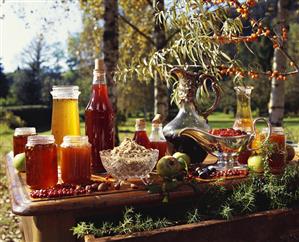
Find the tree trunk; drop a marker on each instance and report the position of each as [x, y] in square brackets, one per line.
[277, 96]
[161, 90]
[111, 52]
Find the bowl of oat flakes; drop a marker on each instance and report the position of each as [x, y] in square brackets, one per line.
[129, 160]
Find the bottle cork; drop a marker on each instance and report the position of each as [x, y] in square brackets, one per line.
[140, 123]
[157, 119]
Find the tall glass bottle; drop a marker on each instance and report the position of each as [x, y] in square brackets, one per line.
[99, 118]
[243, 119]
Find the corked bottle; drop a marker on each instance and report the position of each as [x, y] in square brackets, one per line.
[140, 136]
[157, 138]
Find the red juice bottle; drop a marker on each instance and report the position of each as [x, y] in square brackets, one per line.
[157, 138]
[99, 119]
[140, 136]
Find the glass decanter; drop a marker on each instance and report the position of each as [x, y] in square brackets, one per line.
[243, 119]
[188, 115]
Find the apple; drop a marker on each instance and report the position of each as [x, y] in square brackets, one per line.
[19, 162]
[183, 159]
[168, 166]
[256, 163]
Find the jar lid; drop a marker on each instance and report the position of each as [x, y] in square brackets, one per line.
[65, 92]
[40, 140]
[75, 139]
[274, 129]
[25, 131]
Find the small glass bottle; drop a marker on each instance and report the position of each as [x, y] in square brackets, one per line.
[243, 119]
[65, 112]
[99, 118]
[20, 138]
[41, 162]
[140, 136]
[75, 159]
[277, 160]
[157, 139]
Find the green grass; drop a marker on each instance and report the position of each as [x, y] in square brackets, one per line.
[9, 230]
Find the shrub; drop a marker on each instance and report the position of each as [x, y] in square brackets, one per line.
[34, 115]
[11, 120]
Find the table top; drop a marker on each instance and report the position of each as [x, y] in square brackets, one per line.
[23, 205]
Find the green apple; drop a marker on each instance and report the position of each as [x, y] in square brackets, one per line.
[183, 159]
[168, 166]
[256, 163]
[19, 162]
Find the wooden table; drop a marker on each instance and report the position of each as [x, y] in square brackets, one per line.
[51, 220]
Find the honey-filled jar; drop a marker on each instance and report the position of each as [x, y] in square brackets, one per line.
[41, 162]
[277, 160]
[75, 159]
[20, 138]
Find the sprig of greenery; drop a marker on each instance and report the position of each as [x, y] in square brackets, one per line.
[258, 193]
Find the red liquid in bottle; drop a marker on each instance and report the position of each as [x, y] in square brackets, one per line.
[99, 123]
[161, 146]
[140, 137]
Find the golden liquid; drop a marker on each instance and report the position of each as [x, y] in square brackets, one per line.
[244, 124]
[65, 118]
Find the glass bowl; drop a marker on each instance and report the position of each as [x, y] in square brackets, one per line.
[126, 166]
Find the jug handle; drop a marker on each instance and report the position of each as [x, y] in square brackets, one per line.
[252, 136]
[216, 88]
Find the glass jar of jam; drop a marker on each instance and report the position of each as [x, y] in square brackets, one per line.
[41, 162]
[75, 159]
[20, 139]
[277, 159]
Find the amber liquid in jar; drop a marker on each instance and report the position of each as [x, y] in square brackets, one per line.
[277, 159]
[75, 159]
[20, 139]
[41, 162]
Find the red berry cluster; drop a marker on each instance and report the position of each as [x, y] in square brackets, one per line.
[242, 8]
[64, 190]
[227, 132]
[229, 173]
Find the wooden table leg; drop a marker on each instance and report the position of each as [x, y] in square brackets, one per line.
[49, 228]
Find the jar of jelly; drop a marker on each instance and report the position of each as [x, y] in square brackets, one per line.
[277, 139]
[75, 159]
[20, 138]
[41, 162]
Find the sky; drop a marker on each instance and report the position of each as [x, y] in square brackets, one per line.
[22, 20]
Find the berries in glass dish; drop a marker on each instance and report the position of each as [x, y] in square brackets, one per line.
[229, 132]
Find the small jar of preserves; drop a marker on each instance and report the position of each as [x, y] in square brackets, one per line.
[20, 139]
[277, 139]
[41, 162]
[75, 159]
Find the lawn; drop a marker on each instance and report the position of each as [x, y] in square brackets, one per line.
[9, 230]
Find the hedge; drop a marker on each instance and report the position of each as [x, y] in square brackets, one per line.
[38, 116]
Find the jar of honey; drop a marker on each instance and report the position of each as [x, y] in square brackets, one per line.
[41, 162]
[65, 112]
[75, 159]
[277, 139]
[20, 138]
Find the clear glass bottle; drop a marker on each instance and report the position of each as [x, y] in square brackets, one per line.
[157, 139]
[65, 112]
[99, 118]
[75, 159]
[41, 162]
[243, 119]
[140, 136]
[20, 138]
